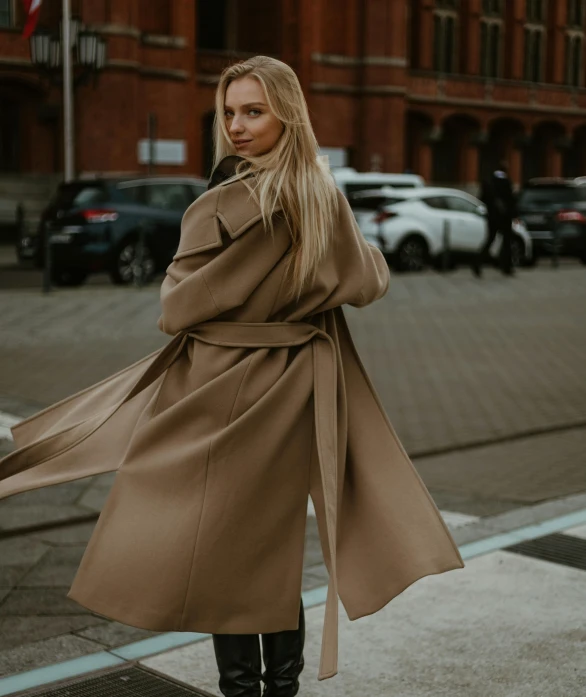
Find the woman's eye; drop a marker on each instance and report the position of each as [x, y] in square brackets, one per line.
[227, 114]
[254, 112]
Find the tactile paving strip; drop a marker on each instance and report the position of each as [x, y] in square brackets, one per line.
[556, 548]
[130, 682]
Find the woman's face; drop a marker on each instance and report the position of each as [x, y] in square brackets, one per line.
[252, 126]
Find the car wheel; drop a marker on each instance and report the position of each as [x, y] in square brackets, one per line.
[517, 253]
[128, 266]
[411, 255]
[68, 277]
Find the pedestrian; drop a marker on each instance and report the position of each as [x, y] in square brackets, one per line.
[258, 401]
[499, 198]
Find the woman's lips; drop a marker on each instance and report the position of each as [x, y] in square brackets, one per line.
[239, 143]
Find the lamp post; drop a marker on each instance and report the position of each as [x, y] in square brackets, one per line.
[51, 54]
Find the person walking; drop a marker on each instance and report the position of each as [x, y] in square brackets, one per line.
[258, 401]
[499, 198]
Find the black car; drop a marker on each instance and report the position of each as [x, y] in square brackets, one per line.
[554, 212]
[97, 225]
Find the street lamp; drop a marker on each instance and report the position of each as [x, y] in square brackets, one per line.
[90, 52]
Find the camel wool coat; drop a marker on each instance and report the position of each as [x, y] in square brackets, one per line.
[217, 440]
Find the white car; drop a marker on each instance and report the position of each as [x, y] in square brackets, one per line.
[413, 227]
[349, 181]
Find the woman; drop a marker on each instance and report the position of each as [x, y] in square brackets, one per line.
[258, 400]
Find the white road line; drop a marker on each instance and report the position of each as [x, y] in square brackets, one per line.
[6, 421]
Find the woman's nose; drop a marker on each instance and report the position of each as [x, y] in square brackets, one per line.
[235, 125]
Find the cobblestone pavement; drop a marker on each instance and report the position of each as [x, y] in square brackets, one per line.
[483, 381]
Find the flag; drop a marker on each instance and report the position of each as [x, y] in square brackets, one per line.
[32, 8]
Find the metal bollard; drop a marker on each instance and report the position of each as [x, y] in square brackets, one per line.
[446, 246]
[48, 262]
[555, 254]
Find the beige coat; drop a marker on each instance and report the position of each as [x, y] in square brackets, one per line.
[218, 439]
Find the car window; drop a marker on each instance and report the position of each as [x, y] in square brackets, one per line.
[133, 193]
[199, 189]
[169, 197]
[77, 194]
[461, 204]
[371, 203]
[438, 202]
[542, 196]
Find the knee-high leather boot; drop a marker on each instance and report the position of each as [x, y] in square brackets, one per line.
[283, 659]
[239, 663]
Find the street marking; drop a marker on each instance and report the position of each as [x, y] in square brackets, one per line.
[6, 421]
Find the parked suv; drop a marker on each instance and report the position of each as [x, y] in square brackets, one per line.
[412, 226]
[97, 224]
[552, 206]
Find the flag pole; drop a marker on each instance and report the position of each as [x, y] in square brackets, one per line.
[68, 127]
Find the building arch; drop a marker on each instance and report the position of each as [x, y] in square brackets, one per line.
[503, 140]
[543, 151]
[420, 128]
[574, 161]
[455, 152]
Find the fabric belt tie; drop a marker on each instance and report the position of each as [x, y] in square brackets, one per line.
[276, 335]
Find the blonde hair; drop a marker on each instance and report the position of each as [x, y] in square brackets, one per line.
[291, 175]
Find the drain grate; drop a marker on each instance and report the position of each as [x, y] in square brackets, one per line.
[130, 682]
[557, 548]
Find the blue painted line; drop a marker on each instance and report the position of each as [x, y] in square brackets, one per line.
[58, 671]
[156, 644]
[317, 596]
[529, 532]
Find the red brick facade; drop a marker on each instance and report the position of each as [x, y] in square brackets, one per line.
[444, 88]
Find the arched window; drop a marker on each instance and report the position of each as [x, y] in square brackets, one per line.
[445, 43]
[491, 38]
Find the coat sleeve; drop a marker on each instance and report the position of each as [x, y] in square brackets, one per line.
[356, 272]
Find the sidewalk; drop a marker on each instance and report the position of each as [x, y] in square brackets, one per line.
[507, 625]
[483, 382]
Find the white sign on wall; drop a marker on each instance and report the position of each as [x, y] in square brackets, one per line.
[337, 157]
[166, 152]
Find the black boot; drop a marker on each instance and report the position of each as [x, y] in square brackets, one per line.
[239, 663]
[283, 659]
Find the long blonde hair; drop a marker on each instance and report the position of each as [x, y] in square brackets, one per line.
[291, 175]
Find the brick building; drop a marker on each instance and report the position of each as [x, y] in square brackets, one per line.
[441, 87]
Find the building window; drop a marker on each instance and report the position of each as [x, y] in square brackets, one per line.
[574, 46]
[5, 13]
[536, 11]
[492, 8]
[491, 33]
[445, 35]
[535, 38]
[576, 13]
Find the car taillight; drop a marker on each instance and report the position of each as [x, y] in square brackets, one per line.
[571, 216]
[99, 216]
[383, 215]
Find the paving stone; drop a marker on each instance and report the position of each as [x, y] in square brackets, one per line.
[10, 575]
[72, 535]
[13, 517]
[521, 472]
[114, 634]
[42, 653]
[57, 568]
[21, 550]
[62, 494]
[24, 602]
